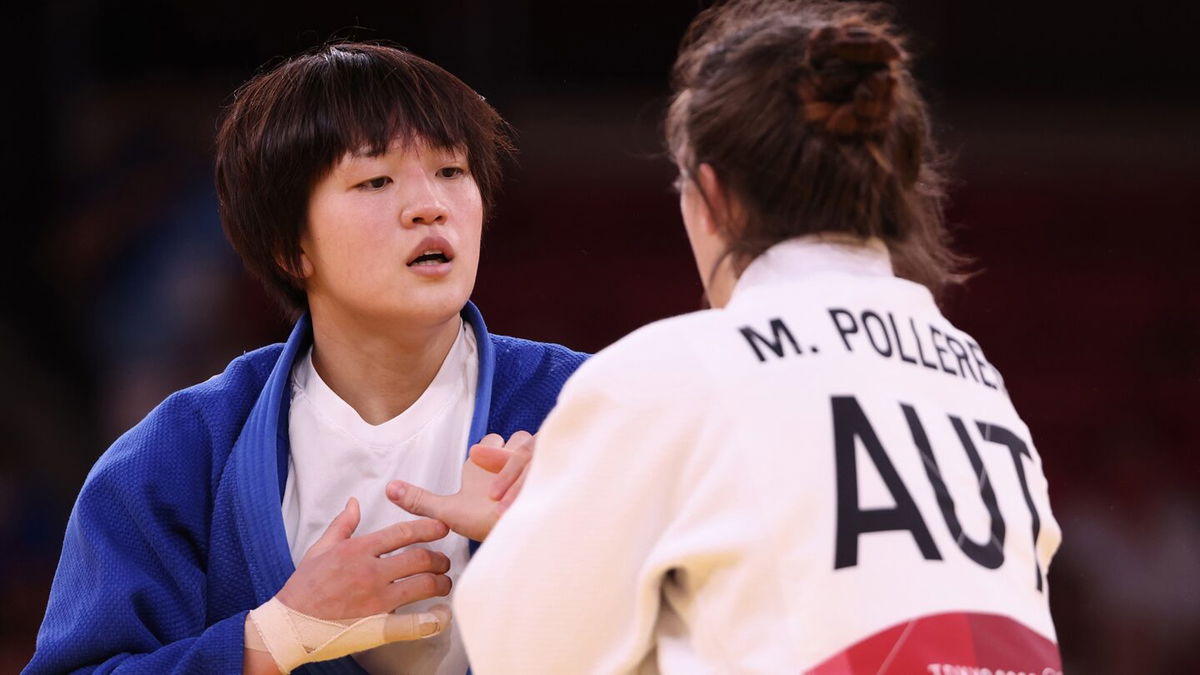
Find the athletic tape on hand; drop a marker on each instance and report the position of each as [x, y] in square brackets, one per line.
[294, 639]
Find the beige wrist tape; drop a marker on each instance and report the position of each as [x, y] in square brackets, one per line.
[294, 639]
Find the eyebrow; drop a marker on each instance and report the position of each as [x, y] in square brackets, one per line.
[364, 152]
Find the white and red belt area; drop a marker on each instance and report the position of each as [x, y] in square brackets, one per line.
[949, 644]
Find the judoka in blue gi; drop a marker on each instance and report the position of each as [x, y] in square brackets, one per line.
[354, 181]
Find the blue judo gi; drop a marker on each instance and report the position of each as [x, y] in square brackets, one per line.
[178, 530]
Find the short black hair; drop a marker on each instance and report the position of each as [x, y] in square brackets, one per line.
[289, 125]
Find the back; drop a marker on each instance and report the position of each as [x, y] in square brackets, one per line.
[824, 476]
[890, 478]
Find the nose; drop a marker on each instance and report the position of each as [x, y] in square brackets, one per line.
[425, 206]
[431, 214]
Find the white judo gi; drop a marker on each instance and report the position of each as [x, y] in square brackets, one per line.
[825, 476]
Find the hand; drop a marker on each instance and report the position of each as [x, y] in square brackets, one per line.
[491, 480]
[511, 462]
[345, 577]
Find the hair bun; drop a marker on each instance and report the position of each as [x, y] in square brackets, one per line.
[851, 80]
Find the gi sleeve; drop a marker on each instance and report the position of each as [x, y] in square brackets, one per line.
[569, 580]
[130, 591]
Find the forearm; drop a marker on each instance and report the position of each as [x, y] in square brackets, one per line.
[100, 646]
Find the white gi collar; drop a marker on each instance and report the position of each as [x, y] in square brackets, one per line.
[800, 257]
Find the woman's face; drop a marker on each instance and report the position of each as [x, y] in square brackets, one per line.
[393, 237]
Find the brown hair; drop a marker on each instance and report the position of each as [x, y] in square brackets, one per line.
[808, 114]
[288, 126]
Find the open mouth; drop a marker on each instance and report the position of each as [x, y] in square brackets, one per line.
[433, 253]
[431, 257]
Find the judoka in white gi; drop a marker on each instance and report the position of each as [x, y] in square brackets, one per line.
[819, 474]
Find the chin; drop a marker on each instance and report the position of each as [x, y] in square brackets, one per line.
[429, 308]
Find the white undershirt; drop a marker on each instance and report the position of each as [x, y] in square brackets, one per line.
[337, 455]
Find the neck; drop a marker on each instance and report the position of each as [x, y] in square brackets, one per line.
[719, 285]
[377, 368]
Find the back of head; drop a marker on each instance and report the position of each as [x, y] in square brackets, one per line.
[808, 114]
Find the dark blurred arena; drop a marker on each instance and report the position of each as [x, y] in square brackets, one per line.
[1076, 149]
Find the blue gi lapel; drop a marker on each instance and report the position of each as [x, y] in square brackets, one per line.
[255, 460]
[487, 368]
[483, 391]
[259, 465]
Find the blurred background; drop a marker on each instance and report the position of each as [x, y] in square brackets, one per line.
[1077, 159]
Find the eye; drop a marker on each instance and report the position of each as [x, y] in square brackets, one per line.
[377, 183]
[451, 172]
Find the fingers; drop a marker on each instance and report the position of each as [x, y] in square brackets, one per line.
[416, 588]
[402, 534]
[489, 453]
[416, 625]
[490, 458]
[522, 445]
[492, 453]
[341, 527]
[419, 501]
[518, 439]
[512, 493]
[414, 561]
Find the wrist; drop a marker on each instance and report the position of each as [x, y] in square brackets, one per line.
[292, 639]
[256, 660]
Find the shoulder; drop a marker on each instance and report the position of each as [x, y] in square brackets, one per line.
[188, 435]
[525, 362]
[526, 380]
[514, 352]
[655, 393]
[666, 356]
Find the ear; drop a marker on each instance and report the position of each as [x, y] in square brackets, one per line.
[723, 207]
[305, 268]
